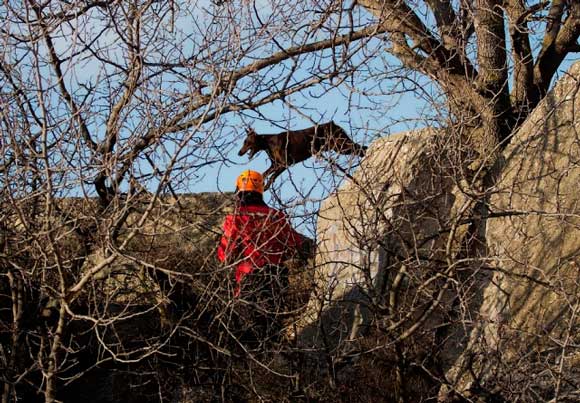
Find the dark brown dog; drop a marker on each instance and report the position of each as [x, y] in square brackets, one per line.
[290, 147]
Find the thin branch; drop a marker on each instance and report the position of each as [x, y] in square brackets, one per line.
[523, 61]
[559, 37]
[56, 64]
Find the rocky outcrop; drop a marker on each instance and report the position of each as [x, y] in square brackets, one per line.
[144, 295]
[177, 239]
[494, 277]
[402, 212]
[529, 323]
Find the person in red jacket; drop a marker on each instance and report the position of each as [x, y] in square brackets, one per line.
[257, 238]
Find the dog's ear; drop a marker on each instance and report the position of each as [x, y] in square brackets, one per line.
[251, 132]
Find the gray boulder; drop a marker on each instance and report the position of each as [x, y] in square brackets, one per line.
[408, 240]
[394, 222]
[528, 328]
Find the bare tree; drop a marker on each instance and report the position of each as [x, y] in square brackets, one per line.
[111, 110]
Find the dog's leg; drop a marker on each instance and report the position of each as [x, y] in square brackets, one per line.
[272, 173]
[350, 147]
[359, 150]
[266, 176]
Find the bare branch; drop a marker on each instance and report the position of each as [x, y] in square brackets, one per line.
[56, 64]
[523, 77]
[559, 36]
[447, 23]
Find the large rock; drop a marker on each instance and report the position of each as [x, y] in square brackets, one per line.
[178, 238]
[502, 304]
[529, 323]
[394, 221]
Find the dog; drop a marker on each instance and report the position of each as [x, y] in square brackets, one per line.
[294, 146]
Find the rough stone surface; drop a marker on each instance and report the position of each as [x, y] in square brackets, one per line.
[530, 314]
[395, 213]
[405, 210]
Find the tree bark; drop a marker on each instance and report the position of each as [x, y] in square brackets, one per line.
[492, 81]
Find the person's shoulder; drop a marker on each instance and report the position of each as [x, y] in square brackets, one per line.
[253, 209]
[279, 214]
[264, 209]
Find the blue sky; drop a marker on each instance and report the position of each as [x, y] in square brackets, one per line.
[365, 123]
[360, 106]
[300, 188]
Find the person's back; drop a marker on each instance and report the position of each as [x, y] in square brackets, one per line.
[255, 235]
[256, 240]
[258, 235]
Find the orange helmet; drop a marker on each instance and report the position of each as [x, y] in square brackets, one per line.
[250, 181]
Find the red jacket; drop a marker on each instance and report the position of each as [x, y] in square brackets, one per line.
[256, 236]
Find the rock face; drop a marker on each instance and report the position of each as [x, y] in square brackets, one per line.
[180, 236]
[401, 211]
[530, 314]
[396, 238]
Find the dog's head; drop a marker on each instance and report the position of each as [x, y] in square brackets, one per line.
[250, 144]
